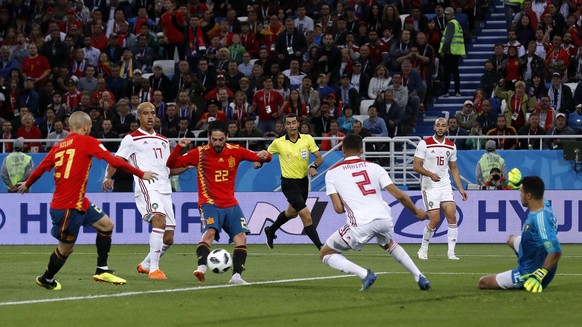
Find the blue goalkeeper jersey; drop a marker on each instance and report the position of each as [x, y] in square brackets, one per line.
[539, 237]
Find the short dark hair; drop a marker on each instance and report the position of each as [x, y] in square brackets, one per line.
[290, 115]
[219, 126]
[533, 185]
[352, 142]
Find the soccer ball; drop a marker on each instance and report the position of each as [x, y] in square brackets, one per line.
[219, 261]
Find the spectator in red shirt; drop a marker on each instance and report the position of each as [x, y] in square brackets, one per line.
[29, 131]
[172, 36]
[35, 66]
[268, 105]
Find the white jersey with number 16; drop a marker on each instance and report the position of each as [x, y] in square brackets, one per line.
[359, 183]
[436, 157]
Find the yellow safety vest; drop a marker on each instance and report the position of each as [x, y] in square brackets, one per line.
[489, 161]
[458, 42]
[16, 164]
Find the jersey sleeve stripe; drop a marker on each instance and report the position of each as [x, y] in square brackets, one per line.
[541, 225]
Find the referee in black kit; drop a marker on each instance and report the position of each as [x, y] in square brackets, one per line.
[294, 150]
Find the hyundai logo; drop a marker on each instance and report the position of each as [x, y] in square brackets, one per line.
[2, 218]
[407, 219]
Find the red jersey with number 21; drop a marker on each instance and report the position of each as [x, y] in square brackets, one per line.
[71, 160]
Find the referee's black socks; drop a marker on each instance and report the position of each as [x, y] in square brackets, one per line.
[281, 220]
[312, 233]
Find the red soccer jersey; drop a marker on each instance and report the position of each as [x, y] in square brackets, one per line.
[71, 159]
[216, 171]
[35, 67]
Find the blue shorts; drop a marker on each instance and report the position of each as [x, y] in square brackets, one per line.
[231, 220]
[67, 222]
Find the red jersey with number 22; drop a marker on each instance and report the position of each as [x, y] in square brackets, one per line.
[216, 171]
[71, 159]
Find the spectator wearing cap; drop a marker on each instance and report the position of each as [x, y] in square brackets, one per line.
[213, 113]
[16, 167]
[347, 94]
[334, 110]
[128, 63]
[35, 66]
[466, 116]
[143, 53]
[267, 105]
[488, 161]
[518, 103]
[113, 49]
[172, 22]
[160, 81]
[29, 98]
[220, 84]
[360, 80]
[560, 95]
[561, 128]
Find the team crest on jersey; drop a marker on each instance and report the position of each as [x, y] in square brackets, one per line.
[231, 162]
[210, 220]
[303, 154]
[430, 204]
[526, 228]
[155, 206]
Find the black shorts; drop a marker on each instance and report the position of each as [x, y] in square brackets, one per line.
[295, 191]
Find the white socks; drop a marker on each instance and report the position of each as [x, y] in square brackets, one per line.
[404, 259]
[146, 261]
[339, 262]
[156, 240]
[427, 234]
[452, 234]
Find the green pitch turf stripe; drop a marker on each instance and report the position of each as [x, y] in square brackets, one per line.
[198, 288]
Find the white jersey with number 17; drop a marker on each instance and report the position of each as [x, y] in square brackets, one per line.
[148, 152]
[359, 183]
[436, 157]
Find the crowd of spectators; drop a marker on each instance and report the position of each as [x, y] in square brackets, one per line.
[252, 61]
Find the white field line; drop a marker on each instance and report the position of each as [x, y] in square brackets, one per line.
[199, 288]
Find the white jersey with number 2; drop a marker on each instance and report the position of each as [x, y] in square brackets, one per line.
[436, 157]
[359, 183]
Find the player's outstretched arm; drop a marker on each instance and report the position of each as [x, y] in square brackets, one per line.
[406, 201]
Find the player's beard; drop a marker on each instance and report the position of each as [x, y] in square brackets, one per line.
[218, 148]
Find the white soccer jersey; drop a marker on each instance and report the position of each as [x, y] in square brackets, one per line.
[148, 152]
[436, 157]
[359, 183]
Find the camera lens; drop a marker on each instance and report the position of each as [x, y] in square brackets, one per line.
[496, 177]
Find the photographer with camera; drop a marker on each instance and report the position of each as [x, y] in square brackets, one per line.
[488, 161]
[497, 180]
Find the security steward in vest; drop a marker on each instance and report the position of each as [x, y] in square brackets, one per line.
[451, 50]
[294, 149]
[16, 167]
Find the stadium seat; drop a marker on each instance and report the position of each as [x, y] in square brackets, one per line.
[495, 106]
[572, 87]
[253, 61]
[503, 105]
[402, 18]
[364, 105]
[242, 18]
[361, 118]
[168, 66]
[436, 68]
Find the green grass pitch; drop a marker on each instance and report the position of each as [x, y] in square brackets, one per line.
[290, 287]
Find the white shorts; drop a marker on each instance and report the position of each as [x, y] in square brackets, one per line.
[153, 203]
[433, 198]
[350, 237]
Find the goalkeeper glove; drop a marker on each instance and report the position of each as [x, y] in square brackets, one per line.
[533, 281]
[514, 177]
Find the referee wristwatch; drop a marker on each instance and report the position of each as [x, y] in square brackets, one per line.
[313, 165]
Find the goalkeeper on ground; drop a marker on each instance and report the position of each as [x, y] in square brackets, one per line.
[538, 249]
